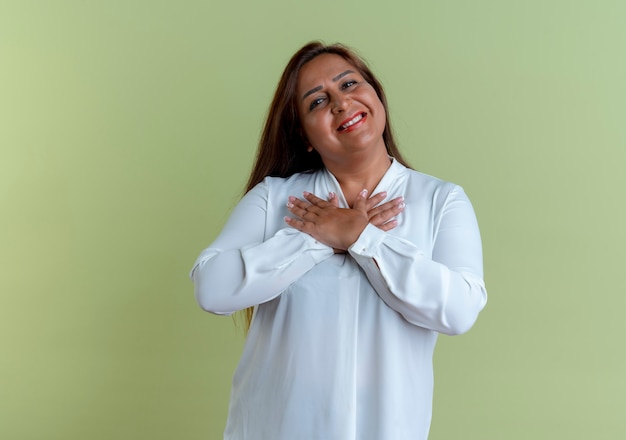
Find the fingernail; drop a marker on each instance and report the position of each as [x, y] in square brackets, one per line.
[331, 195]
[287, 219]
[306, 193]
[401, 205]
[291, 198]
[289, 205]
[363, 193]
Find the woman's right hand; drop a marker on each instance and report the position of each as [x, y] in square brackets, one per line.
[381, 216]
[339, 227]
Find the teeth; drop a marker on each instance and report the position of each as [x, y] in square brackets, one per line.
[352, 121]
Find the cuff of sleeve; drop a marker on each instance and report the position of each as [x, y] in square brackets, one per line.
[317, 251]
[316, 246]
[369, 242]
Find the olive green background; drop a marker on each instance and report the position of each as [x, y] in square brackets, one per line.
[128, 128]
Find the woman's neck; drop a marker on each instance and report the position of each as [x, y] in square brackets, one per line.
[359, 175]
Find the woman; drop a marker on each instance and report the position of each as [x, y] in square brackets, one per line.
[352, 262]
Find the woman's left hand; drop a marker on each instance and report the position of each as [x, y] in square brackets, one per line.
[338, 227]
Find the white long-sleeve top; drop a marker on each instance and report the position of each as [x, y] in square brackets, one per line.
[341, 345]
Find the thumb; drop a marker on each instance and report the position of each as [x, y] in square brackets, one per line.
[361, 201]
[332, 198]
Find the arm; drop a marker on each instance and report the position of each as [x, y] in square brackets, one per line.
[444, 293]
[243, 268]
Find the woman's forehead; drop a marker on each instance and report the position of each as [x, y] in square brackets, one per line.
[323, 68]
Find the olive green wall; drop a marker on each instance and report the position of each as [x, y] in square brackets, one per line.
[127, 129]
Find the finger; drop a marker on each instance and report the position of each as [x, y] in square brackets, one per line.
[361, 201]
[297, 202]
[375, 200]
[389, 225]
[395, 205]
[386, 215]
[389, 212]
[298, 212]
[314, 200]
[299, 208]
[295, 223]
[300, 225]
[333, 199]
[301, 205]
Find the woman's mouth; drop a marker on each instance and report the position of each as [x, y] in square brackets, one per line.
[352, 122]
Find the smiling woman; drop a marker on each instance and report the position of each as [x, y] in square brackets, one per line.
[342, 118]
[348, 263]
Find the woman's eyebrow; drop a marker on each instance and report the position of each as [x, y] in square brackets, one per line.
[342, 74]
[310, 92]
[335, 79]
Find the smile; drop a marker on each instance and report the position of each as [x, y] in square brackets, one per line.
[351, 122]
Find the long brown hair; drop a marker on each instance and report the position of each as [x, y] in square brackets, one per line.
[282, 148]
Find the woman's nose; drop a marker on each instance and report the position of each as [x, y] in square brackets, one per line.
[339, 104]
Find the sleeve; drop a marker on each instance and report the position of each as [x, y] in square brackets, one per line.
[242, 268]
[444, 293]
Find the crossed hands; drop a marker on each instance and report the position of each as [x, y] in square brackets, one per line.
[339, 227]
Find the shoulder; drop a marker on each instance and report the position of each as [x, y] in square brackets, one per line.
[294, 178]
[425, 183]
[277, 186]
[273, 183]
[427, 191]
[424, 179]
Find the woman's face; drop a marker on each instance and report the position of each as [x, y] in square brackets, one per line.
[340, 112]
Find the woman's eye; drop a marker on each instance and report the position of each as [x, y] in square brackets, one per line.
[348, 84]
[315, 103]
